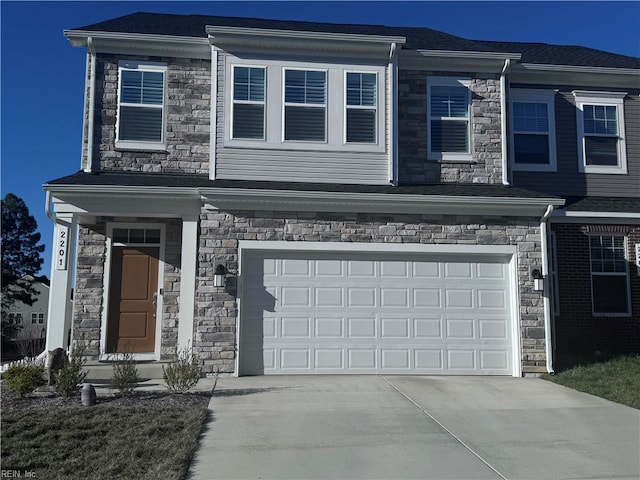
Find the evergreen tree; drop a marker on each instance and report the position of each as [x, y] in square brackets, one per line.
[20, 252]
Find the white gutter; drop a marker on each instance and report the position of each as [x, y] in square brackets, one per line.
[546, 293]
[503, 121]
[392, 124]
[88, 167]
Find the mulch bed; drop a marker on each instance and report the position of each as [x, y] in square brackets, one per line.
[45, 399]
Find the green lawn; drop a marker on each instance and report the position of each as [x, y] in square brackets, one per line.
[106, 442]
[617, 379]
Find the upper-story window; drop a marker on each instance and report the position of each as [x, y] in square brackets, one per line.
[533, 140]
[361, 107]
[449, 118]
[305, 105]
[248, 102]
[601, 136]
[298, 105]
[141, 105]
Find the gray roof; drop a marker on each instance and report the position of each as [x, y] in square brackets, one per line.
[603, 204]
[417, 38]
[135, 179]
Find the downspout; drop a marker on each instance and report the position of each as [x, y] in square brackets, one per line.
[92, 96]
[503, 121]
[546, 292]
[392, 124]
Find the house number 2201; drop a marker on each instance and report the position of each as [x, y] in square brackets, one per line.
[62, 246]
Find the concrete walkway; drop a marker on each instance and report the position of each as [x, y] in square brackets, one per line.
[299, 427]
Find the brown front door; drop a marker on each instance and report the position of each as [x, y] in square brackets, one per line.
[132, 300]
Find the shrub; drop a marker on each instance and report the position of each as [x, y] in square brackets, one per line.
[183, 372]
[125, 374]
[25, 378]
[71, 375]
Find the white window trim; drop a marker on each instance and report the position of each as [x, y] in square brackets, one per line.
[610, 274]
[454, 156]
[136, 144]
[520, 95]
[375, 108]
[248, 102]
[274, 109]
[615, 99]
[325, 105]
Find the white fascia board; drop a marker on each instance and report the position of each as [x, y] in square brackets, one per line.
[455, 61]
[373, 202]
[122, 190]
[139, 43]
[563, 216]
[572, 76]
[225, 33]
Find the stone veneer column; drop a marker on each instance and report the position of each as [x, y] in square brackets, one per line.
[60, 308]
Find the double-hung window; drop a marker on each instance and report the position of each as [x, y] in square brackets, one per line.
[601, 133]
[141, 105]
[361, 107]
[37, 317]
[248, 102]
[449, 118]
[305, 105]
[609, 275]
[533, 144]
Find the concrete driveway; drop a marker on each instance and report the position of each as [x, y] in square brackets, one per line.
[395, 427]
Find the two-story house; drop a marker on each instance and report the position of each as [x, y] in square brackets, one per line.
[294, 197]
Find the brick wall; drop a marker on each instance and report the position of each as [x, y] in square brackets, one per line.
[414, 167]
[220, 232]
[577, 330]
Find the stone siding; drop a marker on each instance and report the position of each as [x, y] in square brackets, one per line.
[220, 232]
[414, 166]
[187, 113]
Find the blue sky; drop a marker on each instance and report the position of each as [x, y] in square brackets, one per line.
[42, 76]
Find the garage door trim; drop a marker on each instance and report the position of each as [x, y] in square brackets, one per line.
[505, 252]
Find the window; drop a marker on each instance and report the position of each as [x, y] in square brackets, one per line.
[305, 105]
[15, 318]
[361, 107]
[533, 145]
[140, 106]
[449, 115]
[609, 275]
[136, 235]
[248, 102]
[37, 317]
[601, 138]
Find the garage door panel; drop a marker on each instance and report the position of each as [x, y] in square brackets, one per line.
[364, 313]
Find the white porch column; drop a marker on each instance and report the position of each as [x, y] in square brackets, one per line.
[62, 263]
[188, 262]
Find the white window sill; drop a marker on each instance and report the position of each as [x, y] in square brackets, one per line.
[617, 170]
[141, 146]
[451, 157]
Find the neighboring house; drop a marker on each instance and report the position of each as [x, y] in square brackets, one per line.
[294, 197]
[31, 319]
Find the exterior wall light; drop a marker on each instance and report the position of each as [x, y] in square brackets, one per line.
[538, 280]
[219, 276]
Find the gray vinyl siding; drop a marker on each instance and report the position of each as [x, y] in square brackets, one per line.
[568, 181]
[271, 164]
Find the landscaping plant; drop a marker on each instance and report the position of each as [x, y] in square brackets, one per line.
[24, 378]
[125, 374]
[183, 372]
[72, 374]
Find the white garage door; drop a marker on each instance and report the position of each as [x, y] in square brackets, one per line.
[310, 312]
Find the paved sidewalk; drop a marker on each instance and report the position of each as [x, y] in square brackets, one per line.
[300, 427]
